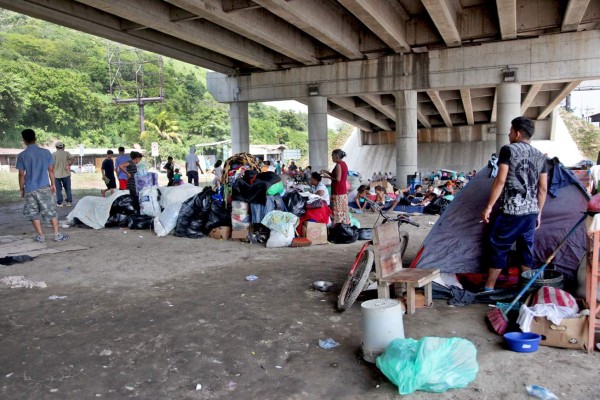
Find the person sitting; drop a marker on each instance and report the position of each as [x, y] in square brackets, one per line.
[318, 187]
[307, 173]
[292, 169]
[429, 197]
[176, 177]
[383, 199]
[359, 203]
[401, 198]
[447, 188]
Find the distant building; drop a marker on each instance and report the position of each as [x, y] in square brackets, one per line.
[264, 152]
[8, 157]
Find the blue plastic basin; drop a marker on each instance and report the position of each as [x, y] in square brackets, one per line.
[522, 342]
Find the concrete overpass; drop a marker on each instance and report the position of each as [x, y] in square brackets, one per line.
[403, 71]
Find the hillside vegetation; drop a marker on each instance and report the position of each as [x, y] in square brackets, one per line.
[585, 134]
[56, 81]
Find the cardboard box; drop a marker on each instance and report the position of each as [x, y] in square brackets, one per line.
[315, 232]
[572, 333]
[240, 234]
[220, 233]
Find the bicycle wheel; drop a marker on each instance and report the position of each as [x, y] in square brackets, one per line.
[403, 240]
[356, 282]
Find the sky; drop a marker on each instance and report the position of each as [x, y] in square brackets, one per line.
[585, 103]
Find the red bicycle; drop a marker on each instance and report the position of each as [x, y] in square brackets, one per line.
[358, 277]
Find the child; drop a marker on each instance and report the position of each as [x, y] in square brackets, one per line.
[360, 203]
[176, 177]
[380, 195]
[217, 171]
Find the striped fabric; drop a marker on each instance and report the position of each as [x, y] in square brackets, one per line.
[552, 295]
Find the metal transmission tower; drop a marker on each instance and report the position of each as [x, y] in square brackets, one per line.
[135, 77]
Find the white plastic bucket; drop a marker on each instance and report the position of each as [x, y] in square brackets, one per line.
[381, 323]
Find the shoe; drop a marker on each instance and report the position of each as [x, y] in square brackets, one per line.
[61, 237]
[39, 239]
[68, 204]
[60, 205]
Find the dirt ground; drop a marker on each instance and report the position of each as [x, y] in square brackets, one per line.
[155, 318]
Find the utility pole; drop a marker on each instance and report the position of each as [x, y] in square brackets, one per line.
[135, 78]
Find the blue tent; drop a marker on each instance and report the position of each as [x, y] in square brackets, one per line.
[459, 243]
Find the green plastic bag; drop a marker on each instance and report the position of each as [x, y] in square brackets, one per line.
[431, 364]
[276, 188]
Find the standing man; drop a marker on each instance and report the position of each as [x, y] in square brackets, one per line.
[108, 173]
[170, 168]
[192, 164]
[36, 184]
[62, 173]
[122, 158]
[522, 181]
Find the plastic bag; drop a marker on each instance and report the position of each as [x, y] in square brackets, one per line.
[117, 220]
[194, 214]
[140, 222]
[123, 205]
[295, 203]
[365, 234]
[218, 216]
[277, 239]
[142, 181]
[343, 234]
[167, 220]
[149, 201]
[431, 364]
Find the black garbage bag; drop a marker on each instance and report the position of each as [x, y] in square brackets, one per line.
[218, 215]
[438, 206]
[141, 222]
[295, 203]
[117, 220]
[365, 233]
[193, 215]
[125, 204]
[343, 234]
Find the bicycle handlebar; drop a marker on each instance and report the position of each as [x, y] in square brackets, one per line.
[405, 219]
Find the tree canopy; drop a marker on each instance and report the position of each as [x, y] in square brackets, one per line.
[56, 81]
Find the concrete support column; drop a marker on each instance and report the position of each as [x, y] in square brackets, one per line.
[240, 131]
[317, 133]
[406, 135]
[509, 108]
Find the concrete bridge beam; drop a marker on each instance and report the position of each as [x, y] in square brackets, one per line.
[259, 25]
[157, 15]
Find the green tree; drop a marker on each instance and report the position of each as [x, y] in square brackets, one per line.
[165, 127]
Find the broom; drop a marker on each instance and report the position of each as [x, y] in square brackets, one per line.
[497, 318]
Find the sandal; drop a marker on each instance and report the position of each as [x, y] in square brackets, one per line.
[61, 238]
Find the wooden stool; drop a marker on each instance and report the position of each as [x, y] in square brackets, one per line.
[388, 268]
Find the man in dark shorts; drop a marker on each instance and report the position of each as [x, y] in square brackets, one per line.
[108, 173]
[521, 183]
[36, 184]
[170, 168]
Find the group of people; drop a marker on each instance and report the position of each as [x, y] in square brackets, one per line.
[520, 185]
[192, 166]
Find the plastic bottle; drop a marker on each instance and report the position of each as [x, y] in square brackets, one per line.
[540, 392]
